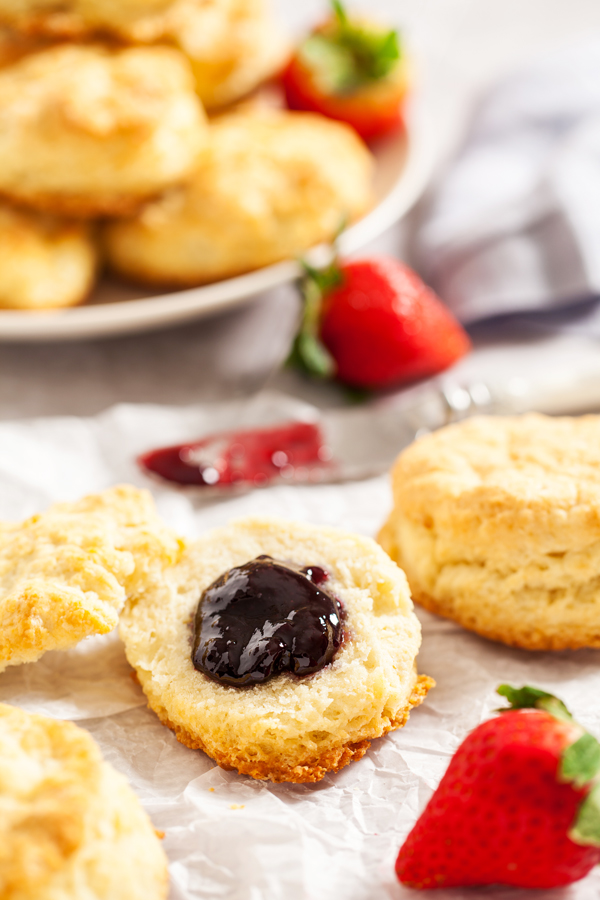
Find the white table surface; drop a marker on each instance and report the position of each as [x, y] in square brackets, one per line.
[461, 46]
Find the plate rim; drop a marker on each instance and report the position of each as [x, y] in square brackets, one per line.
[105, 320]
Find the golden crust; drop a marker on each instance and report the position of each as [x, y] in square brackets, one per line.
[496, 522]
[272, 185]
[70, 826]
[45, 262]
[232, 45]
[132, 20]
[275, 769]
[287, 729]
[14, 46]
[65, 574]
[90, 130]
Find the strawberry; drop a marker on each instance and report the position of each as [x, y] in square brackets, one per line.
[519, 804]
[351, 71]
[373, 323]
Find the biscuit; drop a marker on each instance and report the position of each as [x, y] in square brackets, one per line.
[70, 825]
[131, 20]
[496, 522]
[14, 45]
[88, 130]
[289, 728]
[272, 185]
[45, 262]
[232, 45]
[65, 574]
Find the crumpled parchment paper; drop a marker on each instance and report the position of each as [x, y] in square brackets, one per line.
[228, 836]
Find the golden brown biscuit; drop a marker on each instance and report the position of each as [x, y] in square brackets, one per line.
[133, 20]
[496, 522]
[70, 826]
[232, 45]
[288, 728]
[86, 130]
[14, 45]
[65, 574]
[45, 262]
[272, 185]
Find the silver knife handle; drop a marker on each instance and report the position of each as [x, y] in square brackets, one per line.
[443, 401]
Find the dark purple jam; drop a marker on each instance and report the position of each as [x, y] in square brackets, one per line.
[264, 618]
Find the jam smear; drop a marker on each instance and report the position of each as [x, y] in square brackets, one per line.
[263, 618]
[254, 457]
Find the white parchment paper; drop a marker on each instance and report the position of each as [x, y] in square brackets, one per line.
[228, 836]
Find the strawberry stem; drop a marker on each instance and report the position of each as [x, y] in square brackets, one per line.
[340, 13]
[308, 353]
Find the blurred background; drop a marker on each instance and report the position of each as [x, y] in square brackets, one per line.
[460, 48]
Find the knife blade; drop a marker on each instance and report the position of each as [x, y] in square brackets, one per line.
[354, 443]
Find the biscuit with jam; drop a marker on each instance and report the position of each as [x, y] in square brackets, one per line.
[65, 574]
[280, 649]
[271, 185]
[70, 825]
[496, 522]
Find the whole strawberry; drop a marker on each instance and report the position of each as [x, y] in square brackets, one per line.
[373, 323]
[519, 804]
[350, 70]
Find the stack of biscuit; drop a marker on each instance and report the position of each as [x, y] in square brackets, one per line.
[122, 142]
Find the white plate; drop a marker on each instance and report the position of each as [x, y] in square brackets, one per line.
[403, 165]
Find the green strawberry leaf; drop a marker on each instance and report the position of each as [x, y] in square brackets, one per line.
[339, 12]
[350, 55]
[308, 352]
[533, 698]
[586, 828]
[580, 762]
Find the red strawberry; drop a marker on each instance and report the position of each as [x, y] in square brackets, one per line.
[350, 70]
[379, 323]
[519, 804]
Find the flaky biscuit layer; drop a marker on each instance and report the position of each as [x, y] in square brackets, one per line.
[70, 826]
[496, 522]
[271, 185]
[89, 130]
[288, 729]
[65, 574]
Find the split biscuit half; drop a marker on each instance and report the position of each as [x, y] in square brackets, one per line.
[496, 522]
[288, 728]
[65, 574]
